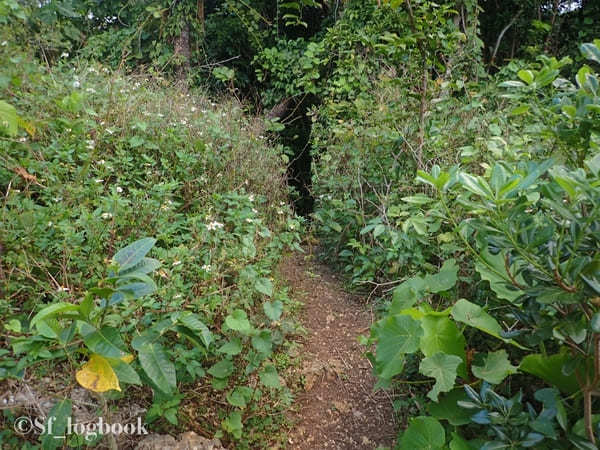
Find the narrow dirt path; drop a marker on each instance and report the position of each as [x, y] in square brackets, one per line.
[338, 409]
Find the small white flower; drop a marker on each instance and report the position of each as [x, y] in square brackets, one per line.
[176, 263]
[105, 70]
[99, 180]
[63, 54]
[214, 225]
[90, 144]
[106, 215]
[101, 162]
[23, 139]
[292, 226]
[251, 197]
[206, 267]
[92, 70]
[50, 224]
[254, 211]
[4, 43]
[109, 131]
[76, 84]
[279, 211]
[91, 90]
[193, 109]
[175, 297]
[119, 189]
[62, 289]
[249, 220]
[281, 203]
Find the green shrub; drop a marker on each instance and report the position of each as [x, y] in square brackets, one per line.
[93, 160]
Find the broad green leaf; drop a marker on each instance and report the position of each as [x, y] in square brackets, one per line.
[590, 51]
[133, 291]
[97, 375]
[526, 75]
[131, 255]
[263, 342]
[443, 368]
[593, 164]
[519, 110]
[136, 141]
[195, 324]
[477, 185]
[419, 199]
[145, 266]
[53, 436]
[447, 408]
[264, 286]
[125, 373]
[54, 310]
[240, 396]
[423, 433]
[440, 334]
[397, 336]
[273, 310]
[233, 424]
[106, 341]
[407, 294]
[238, 321]
[155, 362]
[475, 316]
[269, 377]
[458, 443]
[443, 280]
[222, 369]
[496, 367]
[9, 119]
[232, 347]
[549, 369]
[497, 276]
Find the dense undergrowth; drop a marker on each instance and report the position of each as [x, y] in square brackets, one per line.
[455, 184]
[93, 160]
[468, 212]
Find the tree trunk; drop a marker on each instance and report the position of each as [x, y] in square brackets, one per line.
[182, 53]
[200, 14]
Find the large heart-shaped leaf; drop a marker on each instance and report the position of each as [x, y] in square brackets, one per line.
[397, 335]
[443, 368]
[496, 367]
[423, 433]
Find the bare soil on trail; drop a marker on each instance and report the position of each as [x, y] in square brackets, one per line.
[338, 408]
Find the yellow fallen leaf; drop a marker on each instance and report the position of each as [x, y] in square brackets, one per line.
[97, 375]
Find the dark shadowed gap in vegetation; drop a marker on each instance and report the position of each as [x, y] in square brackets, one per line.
[296, 140]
